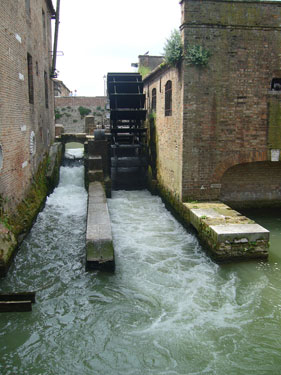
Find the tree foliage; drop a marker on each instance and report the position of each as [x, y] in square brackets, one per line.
[173, 49]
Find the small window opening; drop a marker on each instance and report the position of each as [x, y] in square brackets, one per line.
[30, 79]
[276, 84]
[27, 7]
[44, 26]
[153, 100]
[46, 90]
[168, 98]
[1, 158]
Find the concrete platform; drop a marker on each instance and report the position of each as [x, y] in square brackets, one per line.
[228, 234]
[99, 245]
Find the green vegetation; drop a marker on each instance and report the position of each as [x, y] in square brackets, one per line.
[58, 115]
[197, 55]
[84, 111]
[173, 49]
[144, 70]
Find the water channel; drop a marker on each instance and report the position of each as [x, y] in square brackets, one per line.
[168, 309]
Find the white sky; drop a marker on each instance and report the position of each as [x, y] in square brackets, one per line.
[101, 36]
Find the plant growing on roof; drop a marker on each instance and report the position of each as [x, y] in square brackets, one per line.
[173, 49]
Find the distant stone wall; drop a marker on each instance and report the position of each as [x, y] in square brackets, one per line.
[150, 62]
[68, 114]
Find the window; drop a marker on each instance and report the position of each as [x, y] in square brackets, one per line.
[27, 7]
[30, 79]
[168, 98]
[44, 26]
[276, 84]
[153, 100]
[46, 90]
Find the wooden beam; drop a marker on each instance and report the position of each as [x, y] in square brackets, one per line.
[15, 306]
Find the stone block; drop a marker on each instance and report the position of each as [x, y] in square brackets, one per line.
[99, 245]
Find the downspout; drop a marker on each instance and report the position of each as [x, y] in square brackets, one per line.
[53, 71]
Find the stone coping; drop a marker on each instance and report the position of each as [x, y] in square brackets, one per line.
[228, 234]
[99, 244]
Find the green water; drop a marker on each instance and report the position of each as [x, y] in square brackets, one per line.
[168, 309]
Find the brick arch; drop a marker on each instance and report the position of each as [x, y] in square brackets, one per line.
[237, 159]
[252, 184]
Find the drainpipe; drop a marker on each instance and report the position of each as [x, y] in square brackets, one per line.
[53, 72]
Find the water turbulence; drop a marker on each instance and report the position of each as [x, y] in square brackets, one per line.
[168, 309]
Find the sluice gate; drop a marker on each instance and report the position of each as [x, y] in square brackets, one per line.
[128, 136]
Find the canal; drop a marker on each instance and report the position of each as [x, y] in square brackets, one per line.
[168, 309]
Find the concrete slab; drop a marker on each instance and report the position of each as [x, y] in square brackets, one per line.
[99, 245]
[228, 234]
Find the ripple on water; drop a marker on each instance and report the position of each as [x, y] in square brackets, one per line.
[168, 309]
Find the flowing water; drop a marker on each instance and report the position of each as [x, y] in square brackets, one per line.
[168, 309]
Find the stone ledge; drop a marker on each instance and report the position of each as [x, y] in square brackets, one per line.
[228, 234]
[99, 245]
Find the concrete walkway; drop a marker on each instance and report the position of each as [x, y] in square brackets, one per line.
[99, 245]
[228, 234]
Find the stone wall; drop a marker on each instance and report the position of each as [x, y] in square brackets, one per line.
[26, 114]
[68, 114]
[230, 108]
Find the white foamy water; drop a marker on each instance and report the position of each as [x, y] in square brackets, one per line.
[168, 309]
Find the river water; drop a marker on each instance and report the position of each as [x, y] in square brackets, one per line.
[168, 309]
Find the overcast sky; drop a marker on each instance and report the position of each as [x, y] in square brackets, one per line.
[101, 36]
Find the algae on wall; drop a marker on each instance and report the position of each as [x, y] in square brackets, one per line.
[15, 224]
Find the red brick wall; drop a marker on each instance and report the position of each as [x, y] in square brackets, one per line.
[226, 103]
[252, 184]
[22, 33]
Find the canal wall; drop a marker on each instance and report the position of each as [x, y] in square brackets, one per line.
[15, 224]
[226, 234]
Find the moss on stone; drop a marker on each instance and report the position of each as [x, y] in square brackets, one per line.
[274, 124]
[14, 225]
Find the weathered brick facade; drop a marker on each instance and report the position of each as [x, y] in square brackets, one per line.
[26, 93]
[169, 130]
[231, 110]
[68, 114]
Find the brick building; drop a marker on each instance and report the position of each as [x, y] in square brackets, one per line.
[218, 127]
[26, 93]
